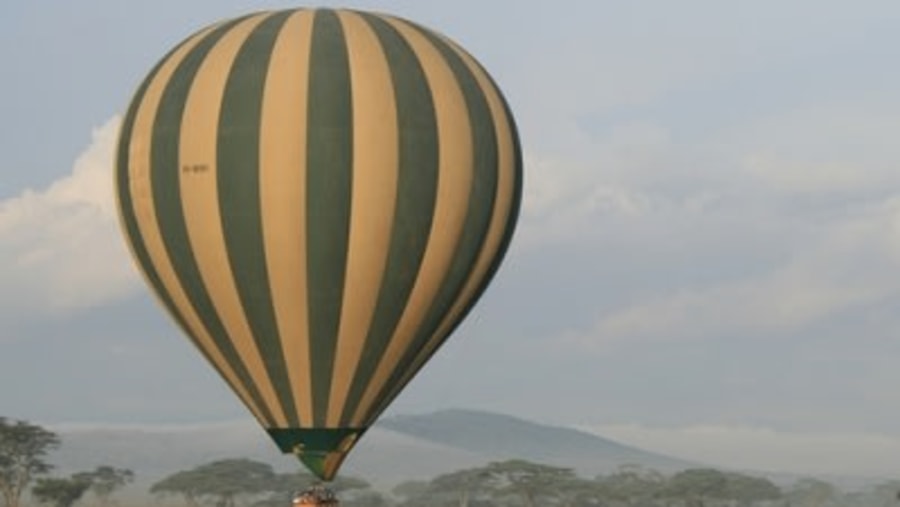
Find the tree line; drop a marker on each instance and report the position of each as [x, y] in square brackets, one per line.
[24, 448]
[519, 483]
[242, 482]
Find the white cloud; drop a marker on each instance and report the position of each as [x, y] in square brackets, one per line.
[766, 449]
[801, 175]
[560, 204]
[811, 193]
[60, 247]
[567, 198]
[832, 267]
[842, 146]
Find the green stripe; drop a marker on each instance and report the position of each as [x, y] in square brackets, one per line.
[126, 205]
[416, 195]
[515, 204]
[169, 212]
[237, 152]
[315, 446]
[482, 196]
[329, 178]
[312, 440]
[315, 463]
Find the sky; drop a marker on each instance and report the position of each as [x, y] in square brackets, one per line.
[706, 262]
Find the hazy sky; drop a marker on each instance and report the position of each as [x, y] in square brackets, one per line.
[707, 260]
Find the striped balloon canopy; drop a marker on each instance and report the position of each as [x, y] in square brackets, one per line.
[318, 197]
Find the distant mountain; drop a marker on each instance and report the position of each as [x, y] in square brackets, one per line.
[396, 449]
[496, 436]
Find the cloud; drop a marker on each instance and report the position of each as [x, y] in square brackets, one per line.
[559, 207]
[766, 449]
[571, 199]
[60, 247]
[831, 268]
[772, 225]
[742, 271]
[843, 146]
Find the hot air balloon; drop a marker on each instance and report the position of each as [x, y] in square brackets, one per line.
[318, 197]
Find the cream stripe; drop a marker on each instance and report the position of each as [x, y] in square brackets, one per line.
[142, 198]
[506, 176]
[375, 163]
[283, 199]
[199, 195]
[453, 193]
[506, 186]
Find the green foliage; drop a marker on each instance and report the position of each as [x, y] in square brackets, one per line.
[61, 492]
[220, 481]
[747, 489]
[699, 486]
[23, 450]
[530, 481]
[106, 479]
[701, 482]
[511, 483]
[463, 488]
[223, 482]
[631, 485]
[519, 483]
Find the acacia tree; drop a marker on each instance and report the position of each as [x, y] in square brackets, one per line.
[699, 487]
[530, 481]
[23, 449]
[467, 486]
[61, 492]
[106, 479]
[581, 492]
[184, 483]
[221, 480]
[696, 487]
[631, 485]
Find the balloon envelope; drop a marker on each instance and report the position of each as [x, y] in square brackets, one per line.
[318, 197]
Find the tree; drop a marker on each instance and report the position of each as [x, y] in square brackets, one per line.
[466, 485]
[61, 492]
[700, 486]
[221, 481]
[106, 479]
[580, 492]
[749, 490]
[462, 488]
[530, 481]
[23, 448]
[184, 483]
[632, 485]
[696, 486]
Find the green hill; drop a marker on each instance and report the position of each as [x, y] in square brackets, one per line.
[497, 436]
